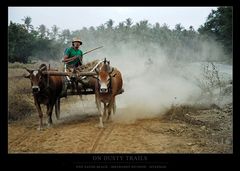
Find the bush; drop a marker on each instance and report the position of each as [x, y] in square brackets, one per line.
[214, 88]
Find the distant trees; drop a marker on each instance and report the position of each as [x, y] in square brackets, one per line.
[20, 43]
[26, 43]
[178, 27]
[42, 31]
[219, 25]
[129, 22]
[65, 36]
[109, 24]
[54, 34]
[27, 22]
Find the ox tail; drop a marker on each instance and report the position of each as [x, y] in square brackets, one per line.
[65, 85]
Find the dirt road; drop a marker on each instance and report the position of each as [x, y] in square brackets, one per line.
[192, 131]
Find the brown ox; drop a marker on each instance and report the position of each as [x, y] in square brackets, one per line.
[108, 85]
[46, 90]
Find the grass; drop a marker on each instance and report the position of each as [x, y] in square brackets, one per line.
[20, 100]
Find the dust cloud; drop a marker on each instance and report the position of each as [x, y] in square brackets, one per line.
[155, 77]
[154, 80]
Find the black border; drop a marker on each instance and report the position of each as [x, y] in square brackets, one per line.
[43, 161]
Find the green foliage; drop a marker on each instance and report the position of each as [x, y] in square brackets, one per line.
[27, 22]
[20, 43]
[42, 43]
[24, 45]
[219, 26]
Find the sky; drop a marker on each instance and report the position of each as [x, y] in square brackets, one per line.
[75, 18]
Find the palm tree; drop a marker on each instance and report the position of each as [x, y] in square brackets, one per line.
[157, 26]
[143, 25]
[141, 30]
[109, 24]
[92, 29]
[27, 22]
[165, 26]
[121, 26]
[179, 27]
[191, 28]
[101, 27]
[42, 30]
[54, 31]
[129, 22]
[66, 35]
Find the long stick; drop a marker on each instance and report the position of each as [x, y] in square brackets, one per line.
[83, 53]
[58, 73]
[92, 50]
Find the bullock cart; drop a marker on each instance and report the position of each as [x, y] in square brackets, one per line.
[79, 81]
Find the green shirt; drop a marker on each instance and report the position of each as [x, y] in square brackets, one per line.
[71, 52]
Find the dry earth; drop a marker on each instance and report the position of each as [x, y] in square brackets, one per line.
[182, 129]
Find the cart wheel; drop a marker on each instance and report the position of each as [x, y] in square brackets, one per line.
[57, 108]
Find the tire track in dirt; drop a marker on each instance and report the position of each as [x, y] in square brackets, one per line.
[103, 135]
[143, 141]
[21, 138]
[29, 140]
[77, 134]
[22, 134]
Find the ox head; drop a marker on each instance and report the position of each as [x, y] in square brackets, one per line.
[104, 76]
[35, 77]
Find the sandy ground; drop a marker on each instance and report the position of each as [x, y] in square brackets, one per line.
[178, 131]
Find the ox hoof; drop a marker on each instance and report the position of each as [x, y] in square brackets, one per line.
[39, 128]
[49, 125]
[110, 119]
[99, 126]
[105, 120]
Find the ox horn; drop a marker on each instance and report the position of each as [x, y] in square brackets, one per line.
[26, 76]
[43, 67]
[105, 60]
[28, 70]
[111, 70]
[97, 70]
